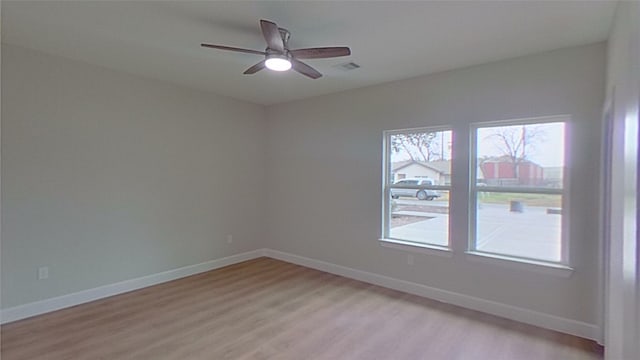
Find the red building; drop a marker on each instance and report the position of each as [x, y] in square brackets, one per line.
[502, 171]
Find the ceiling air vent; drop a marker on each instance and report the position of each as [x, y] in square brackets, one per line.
[348, 66]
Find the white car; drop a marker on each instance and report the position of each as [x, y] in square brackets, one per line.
[421, 194]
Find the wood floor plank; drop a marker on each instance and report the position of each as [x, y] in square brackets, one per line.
[269, 309]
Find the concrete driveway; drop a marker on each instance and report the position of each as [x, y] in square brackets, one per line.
[532, 233]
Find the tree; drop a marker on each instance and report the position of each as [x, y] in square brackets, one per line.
[418, 146]
[516, 142]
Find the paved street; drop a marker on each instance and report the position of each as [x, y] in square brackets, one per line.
[533, 233]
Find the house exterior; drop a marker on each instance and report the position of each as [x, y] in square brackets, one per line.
[501, 171]
[439, 171]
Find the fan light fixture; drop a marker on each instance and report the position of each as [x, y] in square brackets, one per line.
[278, 56]
[277, 63]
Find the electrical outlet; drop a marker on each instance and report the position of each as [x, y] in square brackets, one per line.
[410, 259]
[43, 273]
[229, 239]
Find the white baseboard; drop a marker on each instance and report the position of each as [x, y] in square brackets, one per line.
[64, 301]
[547, 321]
[543, 320]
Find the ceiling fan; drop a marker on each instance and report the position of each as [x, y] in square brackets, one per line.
[278, 56]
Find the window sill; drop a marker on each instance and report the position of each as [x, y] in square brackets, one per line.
[522, 264]
[414, 247]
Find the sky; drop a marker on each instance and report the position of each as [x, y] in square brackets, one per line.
[442, 143]
[546, 150]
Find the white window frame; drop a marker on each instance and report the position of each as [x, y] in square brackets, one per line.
[564, 262]
[386, 240]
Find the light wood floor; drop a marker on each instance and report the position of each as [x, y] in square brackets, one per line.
[268, 309]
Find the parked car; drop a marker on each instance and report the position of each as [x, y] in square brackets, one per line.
[421, 194]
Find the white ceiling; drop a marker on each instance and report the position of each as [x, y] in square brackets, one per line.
[390, 40]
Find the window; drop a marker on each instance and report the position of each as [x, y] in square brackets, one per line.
[517, 190]
[416, 190]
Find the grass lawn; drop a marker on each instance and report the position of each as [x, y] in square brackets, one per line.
[528, 199]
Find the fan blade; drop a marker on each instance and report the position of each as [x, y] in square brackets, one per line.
[305, 69]
[229, 48]
[255, 68]
[272, 35]
[320, 53]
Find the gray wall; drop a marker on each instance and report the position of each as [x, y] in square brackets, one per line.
[324, 173]
[108, 177]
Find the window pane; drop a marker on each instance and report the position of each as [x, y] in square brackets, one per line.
[420, 155]
[523, 225]
[423, 222]
[521, 155]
